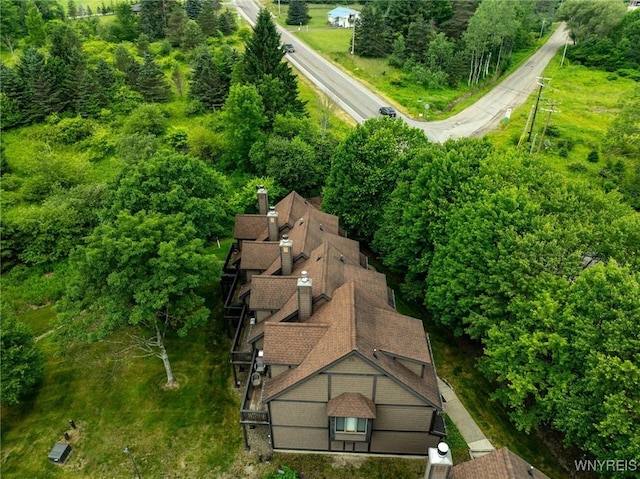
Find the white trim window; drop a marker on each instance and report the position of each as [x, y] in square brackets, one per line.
[351, 425]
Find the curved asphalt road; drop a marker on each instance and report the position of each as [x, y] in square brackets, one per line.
[361, 103]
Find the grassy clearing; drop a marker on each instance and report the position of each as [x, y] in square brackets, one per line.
[587, 101]
[117, 400]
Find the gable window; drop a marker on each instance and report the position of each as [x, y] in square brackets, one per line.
[351, 425]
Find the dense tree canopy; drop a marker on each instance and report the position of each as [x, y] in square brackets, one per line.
[170, 184]
[363, 171]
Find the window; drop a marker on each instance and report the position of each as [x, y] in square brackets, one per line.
[351, 425]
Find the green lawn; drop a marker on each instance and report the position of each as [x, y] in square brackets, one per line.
[117, 399]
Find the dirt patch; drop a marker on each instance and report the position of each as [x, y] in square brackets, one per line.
[347, 460]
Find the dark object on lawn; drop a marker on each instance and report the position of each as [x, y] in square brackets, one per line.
[66, 436]
[72, 424]
[387, 111]
[59, 453]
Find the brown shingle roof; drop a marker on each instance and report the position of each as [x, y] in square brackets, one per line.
[250, 227]
[500, 464]
[328, 269]
[289, 343]
[259, 255]
[293, 207]
[356, 321]
[271, 292]
[351, 405]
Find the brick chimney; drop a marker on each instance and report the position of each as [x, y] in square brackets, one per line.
[305, 298]
[286, 255]
[272, 224]
[263, 200]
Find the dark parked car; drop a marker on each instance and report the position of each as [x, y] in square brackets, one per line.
[388, 111]
[289, 48]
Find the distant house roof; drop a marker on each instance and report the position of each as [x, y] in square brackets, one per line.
[500, 464]
[340, 12]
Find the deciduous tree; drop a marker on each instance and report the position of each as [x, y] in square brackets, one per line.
[140, 271]
[20, 360]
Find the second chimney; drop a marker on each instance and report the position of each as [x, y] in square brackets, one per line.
[272, 224]
[305, 297]
[286, 255]
[263, 200]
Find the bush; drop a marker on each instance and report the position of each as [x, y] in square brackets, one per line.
[147, 119]
[577, 167]
[71, 130]
[593, 156]
[177, 139]
[204, 144]
[135, 148]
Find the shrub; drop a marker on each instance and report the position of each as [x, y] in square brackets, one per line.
[177, 138]
[577, 167]
[71, 130]
[134, 148]
[593, 156]
[147, 119]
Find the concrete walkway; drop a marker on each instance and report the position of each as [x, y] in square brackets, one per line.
[478, 443]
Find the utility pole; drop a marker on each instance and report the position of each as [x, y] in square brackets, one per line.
[564, 51]
[546, 124]
[541, 81]
[352, 21]
[526, 125]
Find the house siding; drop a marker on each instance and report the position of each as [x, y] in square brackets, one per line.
[353, 365]
[415, 368]
[397, 442]
[348, 383]
[289, 413]
[314, 389]
[390, 392]
[402, 418]
[300, 438]
[277, 369]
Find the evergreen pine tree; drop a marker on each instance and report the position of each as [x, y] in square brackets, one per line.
[227, 23]
[193, 8]
[35, 26]
[264, 67]
[125, 62]
[371, 38]
[192, 36]
[176, 23]
[153, 17]
[151, 81]
[72, 10]
[207, 84]
[40, 96]
[67, 62]
[417, 40]
[12, 91]
[298, 13]
[208, 19]
[87, 100]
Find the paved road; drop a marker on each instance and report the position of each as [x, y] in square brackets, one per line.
[361, 103]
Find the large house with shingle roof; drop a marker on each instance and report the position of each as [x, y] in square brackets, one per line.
[332, 365]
